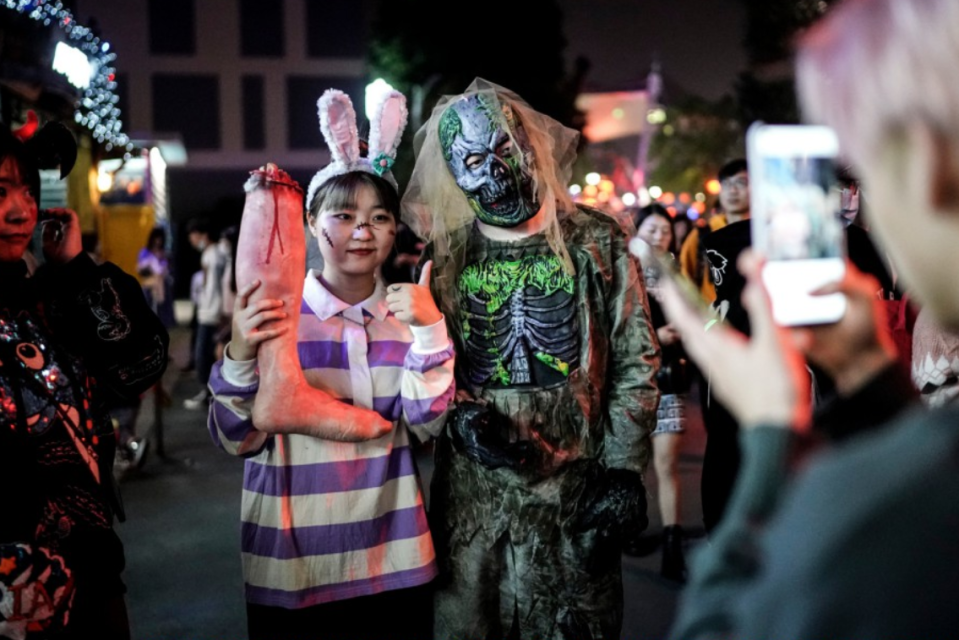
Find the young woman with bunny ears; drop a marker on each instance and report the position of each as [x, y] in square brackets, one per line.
[335, 539]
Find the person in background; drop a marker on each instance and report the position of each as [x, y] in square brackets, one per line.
[655, 228]
[153, 268]
[734, 204]
[721, 249]
[209, 308]
[227, 248]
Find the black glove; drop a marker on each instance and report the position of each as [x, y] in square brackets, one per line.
[613, 503]
[472, 434]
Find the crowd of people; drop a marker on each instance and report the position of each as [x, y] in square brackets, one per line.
[545, 355]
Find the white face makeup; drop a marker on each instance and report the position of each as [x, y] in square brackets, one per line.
[355, 241]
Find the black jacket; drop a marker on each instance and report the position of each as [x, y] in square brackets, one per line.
[72, 338]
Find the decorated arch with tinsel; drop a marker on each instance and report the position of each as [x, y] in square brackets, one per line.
[97, 109]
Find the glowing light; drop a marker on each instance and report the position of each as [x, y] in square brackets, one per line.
[575, 189]
[74, 64]
[590, 191]
[700, 197]
[713, 187]
[96, 111]
[669, 130]
[606, 186]
[656, 116]
[629, 199]
[644, 197]
[104, 181]
[593, 178]
[603, 196]
[655, 192]
[684, 198]
[374, 91]
[668, 197]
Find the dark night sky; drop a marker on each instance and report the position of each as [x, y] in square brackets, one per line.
[698, 42]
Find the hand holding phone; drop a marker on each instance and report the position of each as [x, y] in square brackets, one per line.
[795, 219]
[60, 234]
[663, 268]
[762, 379]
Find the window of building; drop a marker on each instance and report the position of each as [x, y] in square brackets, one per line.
[172, 27]
[261, 28]
[335, 29]
[302, 92]
[190, 106]
[254, 120]
[123, 99]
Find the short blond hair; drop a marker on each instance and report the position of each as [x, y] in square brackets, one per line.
[873, 66]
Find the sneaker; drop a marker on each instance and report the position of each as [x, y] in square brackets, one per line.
[197, 402]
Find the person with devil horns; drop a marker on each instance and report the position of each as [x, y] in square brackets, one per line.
[74, 336]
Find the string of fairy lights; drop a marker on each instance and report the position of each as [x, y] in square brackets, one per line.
[97, 109]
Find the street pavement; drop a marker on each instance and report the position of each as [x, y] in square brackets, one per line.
[182, 530]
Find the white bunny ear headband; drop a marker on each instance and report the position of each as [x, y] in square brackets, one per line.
[338, 125]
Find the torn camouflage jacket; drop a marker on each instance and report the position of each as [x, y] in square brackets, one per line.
[579, 402]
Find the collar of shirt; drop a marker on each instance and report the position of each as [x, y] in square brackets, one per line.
[325, 305]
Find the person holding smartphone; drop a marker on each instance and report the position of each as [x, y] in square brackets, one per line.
[859, 541]
[74, 337]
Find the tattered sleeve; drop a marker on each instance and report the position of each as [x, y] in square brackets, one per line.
[633, 363]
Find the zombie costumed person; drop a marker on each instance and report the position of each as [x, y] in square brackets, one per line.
[74, 337]
[538, 471]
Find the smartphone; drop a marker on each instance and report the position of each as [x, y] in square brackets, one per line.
[794, 212]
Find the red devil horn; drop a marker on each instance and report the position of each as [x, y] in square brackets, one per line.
[29, 127]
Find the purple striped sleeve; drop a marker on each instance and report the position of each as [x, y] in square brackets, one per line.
[421, 363]
[329, 592]
[284, 544]
[327, 477]
[428, 409]
[220, 418]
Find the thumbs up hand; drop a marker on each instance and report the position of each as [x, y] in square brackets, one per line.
[413, 303]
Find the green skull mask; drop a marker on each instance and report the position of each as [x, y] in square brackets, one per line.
[489, 155]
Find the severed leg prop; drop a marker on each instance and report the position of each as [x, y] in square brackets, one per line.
[272, 249]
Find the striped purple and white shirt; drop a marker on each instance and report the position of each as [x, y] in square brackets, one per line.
[324, 520]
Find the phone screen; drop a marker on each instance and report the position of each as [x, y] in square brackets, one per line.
[795, 219]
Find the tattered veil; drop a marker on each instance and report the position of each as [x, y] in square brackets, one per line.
[438, 211]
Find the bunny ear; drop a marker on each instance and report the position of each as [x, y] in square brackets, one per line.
[338, 125]
[386, 129]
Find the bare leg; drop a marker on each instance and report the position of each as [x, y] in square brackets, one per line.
[665, 456]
